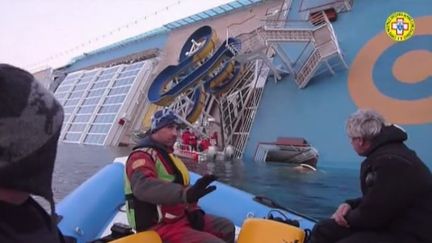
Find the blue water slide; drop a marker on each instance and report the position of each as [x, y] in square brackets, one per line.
[202, 71]
[203, 33]
[198, 98]
[227, 81]
[87, 211]
[156, 93]
[226, 72]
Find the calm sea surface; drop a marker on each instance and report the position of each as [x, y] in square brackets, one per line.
[316, 195]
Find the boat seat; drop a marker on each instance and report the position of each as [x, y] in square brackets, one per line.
[145, 236]
[256, 230]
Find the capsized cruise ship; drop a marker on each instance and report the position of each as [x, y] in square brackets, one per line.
[253, 71]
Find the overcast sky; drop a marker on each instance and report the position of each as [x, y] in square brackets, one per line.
[35, 33]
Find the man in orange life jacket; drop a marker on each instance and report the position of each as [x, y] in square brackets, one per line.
[158, 193]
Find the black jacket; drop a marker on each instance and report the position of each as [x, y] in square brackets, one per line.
[396, 187]
[27, 223]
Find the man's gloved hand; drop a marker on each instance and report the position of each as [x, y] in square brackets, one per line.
[200, 188]
[196, 219]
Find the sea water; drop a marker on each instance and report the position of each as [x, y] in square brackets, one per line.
[314, 194]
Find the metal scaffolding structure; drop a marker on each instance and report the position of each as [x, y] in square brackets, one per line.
[234, 111]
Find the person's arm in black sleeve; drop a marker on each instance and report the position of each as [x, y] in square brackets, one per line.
[390, 193]
[354, 202]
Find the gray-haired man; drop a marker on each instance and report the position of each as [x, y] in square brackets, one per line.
[396, 201]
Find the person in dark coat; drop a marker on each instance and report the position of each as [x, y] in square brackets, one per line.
[30, 123]
[396, 201]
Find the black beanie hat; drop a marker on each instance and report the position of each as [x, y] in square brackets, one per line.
[30, 124]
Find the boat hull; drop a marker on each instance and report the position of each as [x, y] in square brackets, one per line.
[90, 210]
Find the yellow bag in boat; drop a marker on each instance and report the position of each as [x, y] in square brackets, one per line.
[145, 236]
[255, 230]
